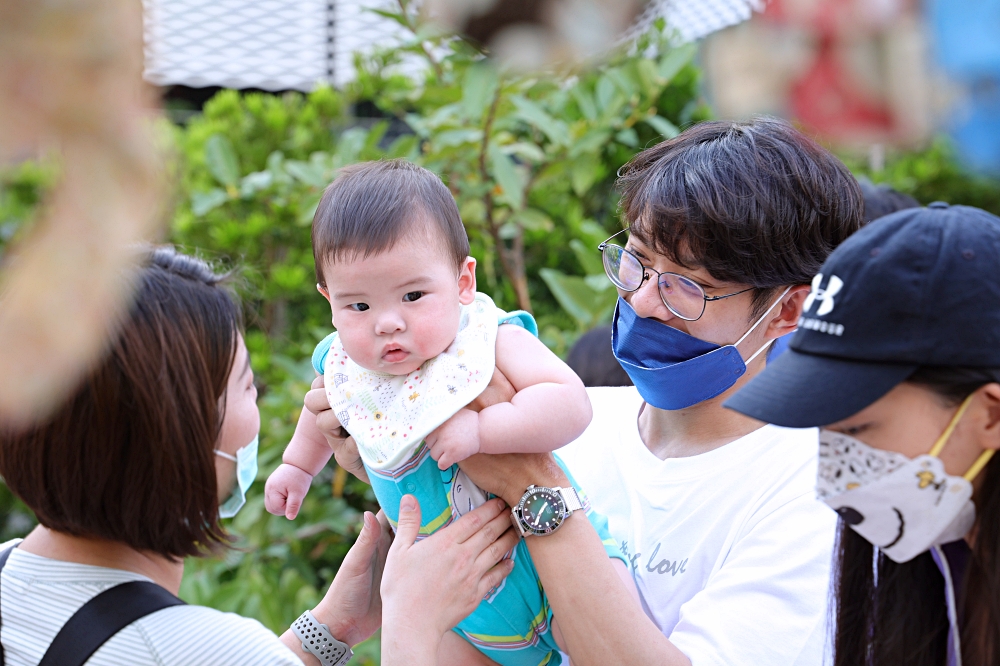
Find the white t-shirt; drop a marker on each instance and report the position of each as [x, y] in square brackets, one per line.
[730, 549]
[38, 595]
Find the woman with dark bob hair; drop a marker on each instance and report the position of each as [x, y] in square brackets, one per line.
[897, 360]
[131, 475]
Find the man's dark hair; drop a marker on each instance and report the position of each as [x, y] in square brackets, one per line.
[755, 203]
[880, 200]
[128, 457]
[371, 205]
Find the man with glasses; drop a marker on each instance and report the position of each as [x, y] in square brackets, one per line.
[727, 224]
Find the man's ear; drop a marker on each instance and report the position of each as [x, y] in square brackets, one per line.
[467, 281]
[789, 311]
[323, 290]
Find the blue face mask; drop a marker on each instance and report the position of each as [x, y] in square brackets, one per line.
[671, 369]
[246, 472]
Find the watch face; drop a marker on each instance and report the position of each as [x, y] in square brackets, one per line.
[542, 510]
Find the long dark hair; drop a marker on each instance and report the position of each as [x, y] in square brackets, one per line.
[128, 458]
[890, 614]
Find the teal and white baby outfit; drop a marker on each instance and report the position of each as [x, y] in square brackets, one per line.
[389, 416]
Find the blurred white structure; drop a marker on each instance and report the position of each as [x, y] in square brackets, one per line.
[267, 44]
[294, 44]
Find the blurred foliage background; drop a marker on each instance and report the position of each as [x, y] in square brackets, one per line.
[531, 161]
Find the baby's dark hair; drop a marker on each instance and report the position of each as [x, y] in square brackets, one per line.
[371, 205]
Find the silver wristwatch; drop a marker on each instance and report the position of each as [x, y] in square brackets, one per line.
[319, 642]
[543, 510]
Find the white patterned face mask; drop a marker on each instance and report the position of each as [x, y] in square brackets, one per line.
[904, 506]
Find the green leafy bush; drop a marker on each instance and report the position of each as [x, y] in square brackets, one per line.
[935, 174]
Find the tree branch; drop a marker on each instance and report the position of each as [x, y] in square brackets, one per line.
[511, 258]
[423, 46]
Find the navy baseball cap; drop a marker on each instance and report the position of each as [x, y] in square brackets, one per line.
[917, 287]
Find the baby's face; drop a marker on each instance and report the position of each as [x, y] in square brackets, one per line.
[397, 309]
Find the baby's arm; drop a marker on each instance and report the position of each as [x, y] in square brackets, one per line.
[549, 409]
[304, 457]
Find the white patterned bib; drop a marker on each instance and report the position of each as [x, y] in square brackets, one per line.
[389, 415]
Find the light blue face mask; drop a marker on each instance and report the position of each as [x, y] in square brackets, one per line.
[246, 472]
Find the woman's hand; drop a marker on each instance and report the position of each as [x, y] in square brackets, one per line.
[345, 450]
[432, 585]
[352, 607]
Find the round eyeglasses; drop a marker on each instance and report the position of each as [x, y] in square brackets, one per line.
[684, 297]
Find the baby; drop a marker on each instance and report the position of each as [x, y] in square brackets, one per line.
[415, 344]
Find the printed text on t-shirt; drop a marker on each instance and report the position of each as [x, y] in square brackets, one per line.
[652, 565]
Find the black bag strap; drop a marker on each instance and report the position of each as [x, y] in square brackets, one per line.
[101, 618]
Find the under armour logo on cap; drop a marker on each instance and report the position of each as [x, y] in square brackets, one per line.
[825, 296]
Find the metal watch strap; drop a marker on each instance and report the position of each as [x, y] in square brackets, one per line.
[570, 498]
[319, 642]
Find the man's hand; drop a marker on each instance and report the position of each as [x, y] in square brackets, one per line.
[456, 439]
[499, 390]
[508, 475]
[345, 449]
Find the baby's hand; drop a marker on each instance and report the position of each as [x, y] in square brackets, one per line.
[285, 489]
[456, 439]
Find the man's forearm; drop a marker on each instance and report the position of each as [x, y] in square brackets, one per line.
[601, 622]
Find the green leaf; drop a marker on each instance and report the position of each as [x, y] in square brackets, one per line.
[307, 172]
[585, 304]
[308, 210]
[457, 137]
[533, 219]
[628, 136]
[663, 126]
[406, 146]
[527, 152]
[478, 90]
[351, 143]
[584, 100]
[392, 16]
[589, 257]
[620, 77]
[508, 231]
[598, 282]
[220, 158]
[255, 182]
[592, 141]
[675, 60]
[648, 77]
[586, 170]
[556, 130]
[202, 202]
[605, 93]
[510, 179]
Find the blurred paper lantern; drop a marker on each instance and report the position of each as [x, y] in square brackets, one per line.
[531, 34]
[70, 81]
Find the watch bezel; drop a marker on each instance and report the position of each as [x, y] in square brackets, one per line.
[527, 527]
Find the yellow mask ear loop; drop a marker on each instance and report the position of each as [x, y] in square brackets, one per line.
[981, 461]
[978, 466]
